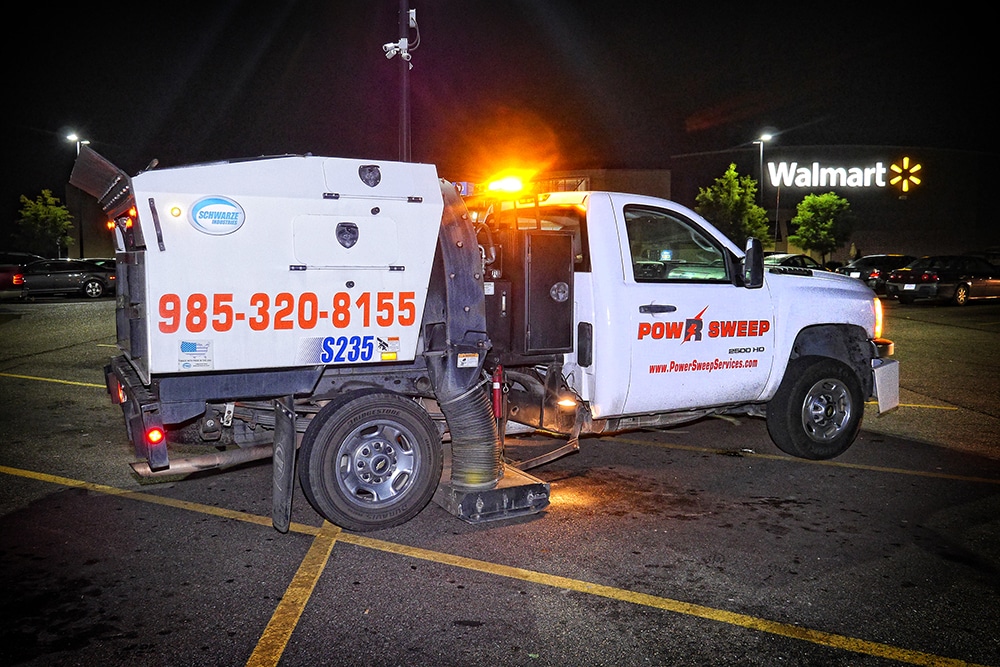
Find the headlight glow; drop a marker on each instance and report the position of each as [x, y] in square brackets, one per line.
[878, 317]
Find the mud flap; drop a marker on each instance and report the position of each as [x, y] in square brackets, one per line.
[283, 474]
[886, 373]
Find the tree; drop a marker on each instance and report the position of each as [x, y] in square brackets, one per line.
[730, 205]
[44, 225]
[823, 223]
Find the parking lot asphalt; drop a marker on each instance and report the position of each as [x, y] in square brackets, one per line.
[699, 545]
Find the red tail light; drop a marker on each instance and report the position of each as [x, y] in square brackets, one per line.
[874, 273]
[18, 279]
[929, 276]
[154, 436]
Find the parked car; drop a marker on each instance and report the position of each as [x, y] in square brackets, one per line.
[955, 278]
[991, 254]
[65, 276]
[873, 270]
[12, 263]
[791, 259]
[20, 258]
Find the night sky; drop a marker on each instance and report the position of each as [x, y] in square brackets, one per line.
[556, 84]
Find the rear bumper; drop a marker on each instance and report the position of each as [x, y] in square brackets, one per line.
[921, 290]
[141, 410]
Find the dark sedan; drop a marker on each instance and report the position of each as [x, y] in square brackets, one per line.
[792, 259]
[11, 264]
[953, 278]
[65, 276]
[873, 270]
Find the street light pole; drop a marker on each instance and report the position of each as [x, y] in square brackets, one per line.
[76, 195]
[760, 142]
[404, 77]
[78, 140]
[403, 48]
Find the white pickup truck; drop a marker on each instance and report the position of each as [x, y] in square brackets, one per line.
[366, 328]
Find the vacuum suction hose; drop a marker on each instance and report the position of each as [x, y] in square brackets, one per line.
[476, 457]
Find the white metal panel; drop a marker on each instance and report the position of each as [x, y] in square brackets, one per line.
[275, 290]
[317, 245]
[608, 376]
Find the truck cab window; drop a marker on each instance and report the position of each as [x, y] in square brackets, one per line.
[667, 248]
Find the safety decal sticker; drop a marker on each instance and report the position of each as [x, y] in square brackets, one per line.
[195, 355]
[347, 349]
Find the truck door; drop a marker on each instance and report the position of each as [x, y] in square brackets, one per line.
[697, 337]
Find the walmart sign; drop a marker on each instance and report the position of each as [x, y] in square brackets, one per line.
[902, 174]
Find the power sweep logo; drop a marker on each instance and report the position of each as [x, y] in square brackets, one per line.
[694, 328]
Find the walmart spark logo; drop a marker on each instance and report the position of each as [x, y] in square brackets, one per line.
[905, 174]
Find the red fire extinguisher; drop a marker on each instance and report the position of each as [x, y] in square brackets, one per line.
[498, 392]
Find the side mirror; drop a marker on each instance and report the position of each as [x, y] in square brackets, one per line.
[753, 265]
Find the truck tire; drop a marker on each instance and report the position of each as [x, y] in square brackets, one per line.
[370, 460]
[817, 410]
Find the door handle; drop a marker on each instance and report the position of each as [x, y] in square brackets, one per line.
[657, 308]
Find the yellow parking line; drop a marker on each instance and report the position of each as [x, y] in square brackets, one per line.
[919, 405]
[927, 407]
[751, 622]
[144, 497]
[32, 377]
[275, 637]
[790, 459]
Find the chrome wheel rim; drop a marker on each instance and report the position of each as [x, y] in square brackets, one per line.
[826, 410]
[377, 463]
